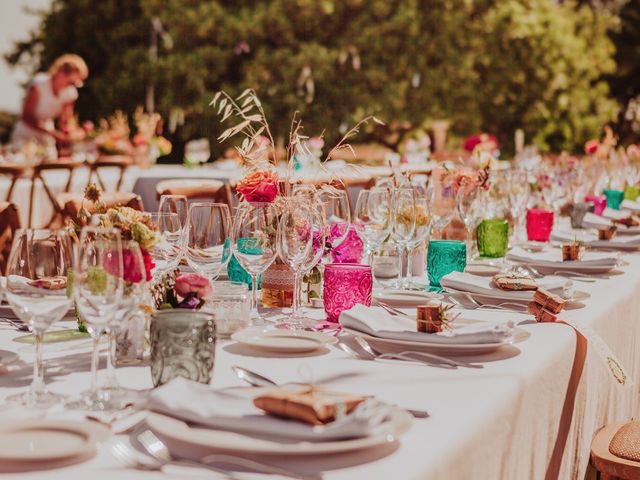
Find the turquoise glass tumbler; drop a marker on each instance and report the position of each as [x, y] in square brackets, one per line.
[493, 238]
[445, 256]
[614, 198]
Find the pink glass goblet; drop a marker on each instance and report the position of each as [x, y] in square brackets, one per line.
[346, 285]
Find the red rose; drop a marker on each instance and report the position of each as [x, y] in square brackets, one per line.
[259, 187]
[591, 147]
[148, 263]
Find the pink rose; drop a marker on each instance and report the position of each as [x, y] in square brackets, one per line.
[260, 187]
[192, 283]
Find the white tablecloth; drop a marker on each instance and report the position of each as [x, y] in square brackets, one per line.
[500, 422]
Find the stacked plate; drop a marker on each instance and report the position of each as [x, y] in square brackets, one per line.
[550, 260]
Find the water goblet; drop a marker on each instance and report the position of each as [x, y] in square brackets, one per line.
[208, 227]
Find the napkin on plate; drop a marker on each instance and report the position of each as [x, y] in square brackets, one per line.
[630, 205]
[234, 411]
[615, 214]
[592, 220]
[467, 282]
[591, 239]
[377, 322]
[553, 258]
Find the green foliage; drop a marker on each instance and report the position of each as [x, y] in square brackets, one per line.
[492, 65]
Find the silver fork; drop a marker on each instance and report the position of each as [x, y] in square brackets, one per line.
[159, 451]
[504, 306]
[22, 327]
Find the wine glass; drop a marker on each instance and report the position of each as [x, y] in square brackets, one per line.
[403, 222]
[254, 241]
[337, 214]
[208, 227]
[467, 200]
[168, 249]
[97, 289]
[420, 234]
[442, 197]
[175, 204]
[518, 198]
[371, 218]
[295, 237]
[135, 290]
[36, 279]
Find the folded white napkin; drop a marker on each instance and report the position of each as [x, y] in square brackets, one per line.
[565, 234]
[591, 220]
[467, 282]
[630, 205]
[377, 322]
[553, 258]
[615, 214]
[234, 411]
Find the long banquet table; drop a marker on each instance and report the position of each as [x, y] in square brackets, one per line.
[498, 422]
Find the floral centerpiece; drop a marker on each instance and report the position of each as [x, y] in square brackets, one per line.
[112, 136]
[148, 143]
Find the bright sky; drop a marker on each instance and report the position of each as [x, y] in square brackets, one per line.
[15, 24]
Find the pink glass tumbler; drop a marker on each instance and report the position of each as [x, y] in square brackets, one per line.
[539, 224]
[346, 285]
[599, 203]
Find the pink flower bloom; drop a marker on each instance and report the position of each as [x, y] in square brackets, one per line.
[193, 283]
[591, 147]
[261, 186]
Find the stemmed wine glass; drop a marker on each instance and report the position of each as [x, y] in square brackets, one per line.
[467, 201]
[518, 199]
[97, 289]
[254, 241]
[294, 244]
[36, 291]
[337, 214]
[167, 251]
[442, 195]
[420, 234]
[134, 292]
[175, 204]
[371, 218]
[403, 222]
[208, 227]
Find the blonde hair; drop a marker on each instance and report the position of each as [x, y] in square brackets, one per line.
[70, 62]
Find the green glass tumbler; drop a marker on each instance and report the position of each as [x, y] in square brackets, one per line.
[614, 198]
[493, 238]
[631, 192]
[445, 256]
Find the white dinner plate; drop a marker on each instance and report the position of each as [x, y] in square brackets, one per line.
[453, 349]
[182, 437]
[38, 444]
[7, 357]
[404, 298]
[281, 340]
[482, 269]
[574, 266]
[533, 246]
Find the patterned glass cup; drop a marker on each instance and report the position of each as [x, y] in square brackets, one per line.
[443, 257]
[614, 198]
[539, 224]
[598, 203]
[183, 344]
[493, 237]
[346, 285]
[631, 192]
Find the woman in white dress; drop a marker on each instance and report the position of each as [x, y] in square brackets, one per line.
[48, 105]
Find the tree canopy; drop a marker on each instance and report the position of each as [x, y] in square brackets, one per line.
[486, 65]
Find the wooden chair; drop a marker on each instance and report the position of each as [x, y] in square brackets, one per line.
[67, 165]
[121, 162]
[615, 451]
[193, 189]
[71, 203]
[9, 223]
[14, 172]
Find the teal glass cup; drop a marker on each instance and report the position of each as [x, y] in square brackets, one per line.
[445, 256]
[493, 238]
[614, 198]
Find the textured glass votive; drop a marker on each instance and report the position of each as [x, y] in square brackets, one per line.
[631, 192]
[493, 238]
[183, 344]
[231, 304]
[598, 203]
[539, 224]
[346, 285]
[578, 211]
[443, 257]
[614, 198]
